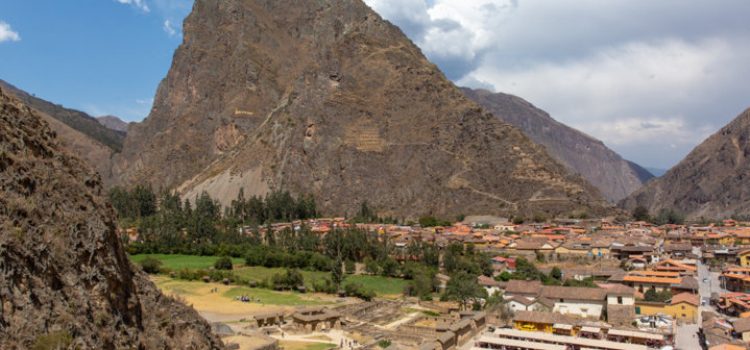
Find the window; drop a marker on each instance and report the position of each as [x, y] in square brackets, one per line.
[683, 307]
[619, 300]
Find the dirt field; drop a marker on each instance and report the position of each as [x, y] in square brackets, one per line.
[216, 302]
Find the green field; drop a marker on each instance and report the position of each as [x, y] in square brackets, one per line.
[379, 284]
[271, 297]
[177, 262]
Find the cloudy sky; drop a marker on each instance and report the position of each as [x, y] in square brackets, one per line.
[651, 79]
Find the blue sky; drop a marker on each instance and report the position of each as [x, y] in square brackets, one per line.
[100, 56]
[652, 79]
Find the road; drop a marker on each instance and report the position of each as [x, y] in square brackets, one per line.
[686, 337]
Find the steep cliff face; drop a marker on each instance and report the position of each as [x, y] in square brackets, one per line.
[65, 279]
[325, 97]
[76, 131]
[614, 176]
[711, 182]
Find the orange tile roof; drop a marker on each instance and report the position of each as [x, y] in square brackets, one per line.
[686, 298]
[654, 273]
[652, 280]
[727, 347]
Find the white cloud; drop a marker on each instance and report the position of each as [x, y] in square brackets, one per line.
[169, 29]
[652, 88]
[139, 4]
[7, 33]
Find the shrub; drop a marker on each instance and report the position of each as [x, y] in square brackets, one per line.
[151, 265]
[224, 263]
[358, 291]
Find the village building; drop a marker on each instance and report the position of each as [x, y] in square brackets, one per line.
[683, 307]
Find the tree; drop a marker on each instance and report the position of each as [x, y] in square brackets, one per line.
[556, 273]
[463, 288]
[337, 274]
[640, 213]
[223, 263]
[151, 265]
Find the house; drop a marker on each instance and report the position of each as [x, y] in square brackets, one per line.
[583, 302]
[742, 328]
[642, 281]
[683, 307]
[529, 304]
[529, 289]
[490, 285]
[676, 266]
[744, 257]
[678, 250]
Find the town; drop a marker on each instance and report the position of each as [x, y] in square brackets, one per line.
[561, 284]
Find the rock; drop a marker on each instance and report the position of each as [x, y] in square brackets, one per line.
[66, 280]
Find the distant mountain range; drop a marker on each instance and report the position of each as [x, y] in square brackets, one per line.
[615, 177]
[657, 172]
[79, 133]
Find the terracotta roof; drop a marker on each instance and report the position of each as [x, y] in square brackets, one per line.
[688, 283]
[574, 293]
[742, 325]
[689, 298]
[523, 287]
[651, 279]
[727, 347]
[619, 290]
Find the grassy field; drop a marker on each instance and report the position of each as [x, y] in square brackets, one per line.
[382, 286]
[271, 297]
[177, 262]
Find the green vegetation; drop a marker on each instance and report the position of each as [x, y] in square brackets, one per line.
[151, 265]
[270, 297]
[384, 343]
[430, 221]
[53, 341]
[179, 261]
[186, 237]
[224, 263]
[659, 297]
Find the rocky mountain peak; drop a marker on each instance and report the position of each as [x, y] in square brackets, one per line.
[327, 98]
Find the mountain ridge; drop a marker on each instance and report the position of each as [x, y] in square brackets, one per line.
[710, 182]
[614, 176]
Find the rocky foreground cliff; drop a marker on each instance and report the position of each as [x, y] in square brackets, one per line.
[327, 98]
[614, 176]
[65, 280]
[711, 182]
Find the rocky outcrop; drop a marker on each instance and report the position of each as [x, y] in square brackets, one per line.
[614, 176]
[711, 182]
[65, 280]
[328, 98]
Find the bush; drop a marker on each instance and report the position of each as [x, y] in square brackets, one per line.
[224, 263]
[358, 291]
[151, 265]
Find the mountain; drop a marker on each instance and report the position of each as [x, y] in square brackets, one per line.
[113, 123]
[77, 120]
[602, 167]
[327, 98]
[710, 182]
[78, 132]
[657, 171]
[67, 281]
